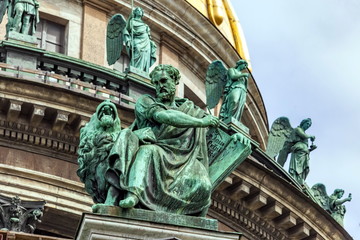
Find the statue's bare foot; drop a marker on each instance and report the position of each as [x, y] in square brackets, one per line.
[129, 202]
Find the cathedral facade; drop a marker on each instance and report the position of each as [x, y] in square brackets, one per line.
[48, 93]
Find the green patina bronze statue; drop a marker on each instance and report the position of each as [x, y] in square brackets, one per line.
[231, 84]
[333, 203]
[161, 162]
[135, 34]
[23, 15]
[283, 139]
[173, 159]
[97, 139]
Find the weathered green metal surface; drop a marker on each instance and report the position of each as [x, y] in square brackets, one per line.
[161, 162]
[333, 203]
[285, 139]
[22, 16]
[135, 35]
[231, 84]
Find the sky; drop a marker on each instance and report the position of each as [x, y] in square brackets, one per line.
[305, 60]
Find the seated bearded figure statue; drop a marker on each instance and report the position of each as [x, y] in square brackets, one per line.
[161, 161]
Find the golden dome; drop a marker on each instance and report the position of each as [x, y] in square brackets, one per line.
[223, 16]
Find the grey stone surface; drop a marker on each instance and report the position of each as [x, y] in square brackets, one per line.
[22, 38]
[137, 71]
[21, 59]
[95, 227]
[158, 217]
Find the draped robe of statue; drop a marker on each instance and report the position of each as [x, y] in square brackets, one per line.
[234, 96]
[29, 7]
[299, 161]
[337, 210]
[143, 56]
[166, 167]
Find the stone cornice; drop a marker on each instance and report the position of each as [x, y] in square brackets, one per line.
[56, 191]
[268, 205]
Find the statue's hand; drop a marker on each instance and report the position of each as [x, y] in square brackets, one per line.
[312, 138]
[350, 197]
[313, 147]
[210, 121]
[239, 137]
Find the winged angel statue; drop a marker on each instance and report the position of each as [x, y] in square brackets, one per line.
[23, 15]
[230, 83]
[333, 203]
[135, 35]
[283, 139]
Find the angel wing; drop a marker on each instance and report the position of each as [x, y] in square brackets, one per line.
[280, 132]
[216, 77]
[320, 195]
[3, 7]
[114, 38]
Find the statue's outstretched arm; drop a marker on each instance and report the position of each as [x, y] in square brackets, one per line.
[179, 119]
[341, 201]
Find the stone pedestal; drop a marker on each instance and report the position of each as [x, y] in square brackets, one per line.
[23, 57]
[133, 70]
[22, 38]
[100, 227]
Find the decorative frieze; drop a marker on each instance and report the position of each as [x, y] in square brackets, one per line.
[244, 206]
[245, 217]
[46, 138]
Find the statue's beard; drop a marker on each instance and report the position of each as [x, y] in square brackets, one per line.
[106, 121]
[167, 95]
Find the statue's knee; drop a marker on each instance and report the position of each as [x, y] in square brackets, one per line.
[27, 18]
[146, 149]
[19, 12]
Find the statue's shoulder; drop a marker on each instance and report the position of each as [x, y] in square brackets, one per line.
[296, 133]
[232, 70]
[145, 98]
[144, 102]
[181, 101]
[298, 129]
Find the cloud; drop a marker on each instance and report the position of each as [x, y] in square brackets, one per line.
[305, 58]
